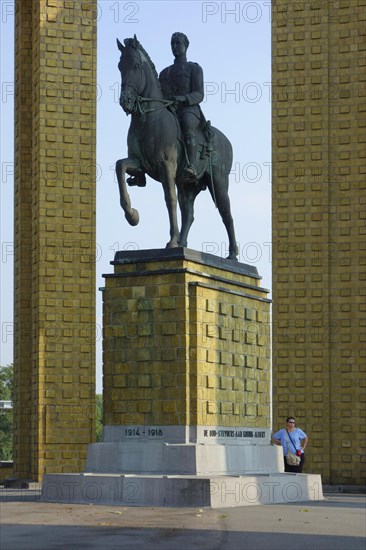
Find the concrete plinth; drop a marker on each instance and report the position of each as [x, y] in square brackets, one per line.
[170, 450]
[187, 459]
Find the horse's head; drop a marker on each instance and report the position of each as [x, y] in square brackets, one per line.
[138, 74]
[131, 66]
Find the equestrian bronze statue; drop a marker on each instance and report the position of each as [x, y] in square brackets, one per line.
[184, 164]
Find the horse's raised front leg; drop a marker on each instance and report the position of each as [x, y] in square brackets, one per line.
[186, 196]
[168, 170]
[122, 165]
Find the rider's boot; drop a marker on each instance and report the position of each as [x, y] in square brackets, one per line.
[191, 150]
[139, 180]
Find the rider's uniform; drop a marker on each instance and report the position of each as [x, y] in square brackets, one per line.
[184, 78]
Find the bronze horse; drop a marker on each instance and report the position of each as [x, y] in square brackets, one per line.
[155, 146]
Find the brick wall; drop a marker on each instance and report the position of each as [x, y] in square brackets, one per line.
[319, 230]
[55, 184]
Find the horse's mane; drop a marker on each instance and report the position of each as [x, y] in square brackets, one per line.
[133, 42]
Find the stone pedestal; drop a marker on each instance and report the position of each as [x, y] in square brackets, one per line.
[186, 345]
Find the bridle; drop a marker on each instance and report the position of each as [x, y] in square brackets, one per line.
[139, 100]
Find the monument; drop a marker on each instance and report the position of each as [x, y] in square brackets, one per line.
[186, 338]
[156, 143]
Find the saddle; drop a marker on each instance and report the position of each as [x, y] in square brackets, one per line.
[204, 138]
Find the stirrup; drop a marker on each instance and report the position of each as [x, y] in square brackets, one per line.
[190, 171]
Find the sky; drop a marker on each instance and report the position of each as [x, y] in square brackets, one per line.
[232, 43]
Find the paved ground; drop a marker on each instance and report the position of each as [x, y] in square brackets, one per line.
[337, 523]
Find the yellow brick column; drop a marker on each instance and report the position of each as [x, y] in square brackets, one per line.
[54, 349]
[319, 230]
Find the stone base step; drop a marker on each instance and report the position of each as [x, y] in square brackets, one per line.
[180, 490]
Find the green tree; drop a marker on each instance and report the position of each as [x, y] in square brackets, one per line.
[99, 416]
[6, 415]
[6, 382]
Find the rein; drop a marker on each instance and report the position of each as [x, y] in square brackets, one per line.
[142, 111]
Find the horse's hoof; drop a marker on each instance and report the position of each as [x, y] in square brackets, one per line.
[172, 244]
[232, 257]
[132, 216]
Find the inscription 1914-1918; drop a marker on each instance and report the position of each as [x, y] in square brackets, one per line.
[153, 432]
